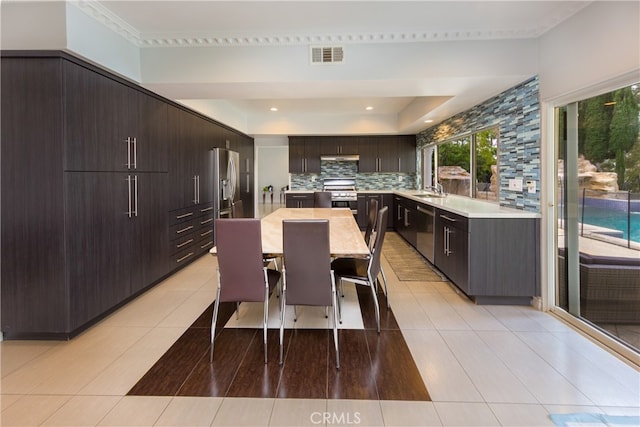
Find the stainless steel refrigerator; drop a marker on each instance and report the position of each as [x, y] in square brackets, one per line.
[226, 181]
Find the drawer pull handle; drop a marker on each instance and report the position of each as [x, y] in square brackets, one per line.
[184, 229]
[184, 243]
[210, 243]
[447, 218]
[206, 233]
[206, 221]
[185, 257]
[184, 215]
[206, 209]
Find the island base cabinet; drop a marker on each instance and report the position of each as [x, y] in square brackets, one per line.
[492, 260]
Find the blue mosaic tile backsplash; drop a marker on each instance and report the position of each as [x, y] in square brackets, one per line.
[517, 113]
[364, 181]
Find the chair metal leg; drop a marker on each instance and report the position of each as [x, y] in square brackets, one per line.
[375, 300]
[237, 310]
[265, 318]
[386, 291]
[295, 313]
[326, 312]
[335, 325]
[214, 320]
[282, 303]
[340, 304]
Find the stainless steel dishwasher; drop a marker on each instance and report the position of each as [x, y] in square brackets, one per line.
[425, 228]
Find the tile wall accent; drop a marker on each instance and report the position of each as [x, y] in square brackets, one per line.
[517, 113]
[364, 181]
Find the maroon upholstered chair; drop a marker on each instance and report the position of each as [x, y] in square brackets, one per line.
[242, 276]
[307, 275]
[371, 223]
[322, 199]
[365, 271]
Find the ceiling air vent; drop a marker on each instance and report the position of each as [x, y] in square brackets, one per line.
[324, 55]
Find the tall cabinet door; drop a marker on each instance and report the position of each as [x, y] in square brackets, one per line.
[151, 230]
[99, 242]
[101, 119]
[151, 145]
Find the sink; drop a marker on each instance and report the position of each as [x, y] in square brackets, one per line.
[429, 195]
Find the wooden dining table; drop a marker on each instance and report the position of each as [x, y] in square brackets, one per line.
[345, 237]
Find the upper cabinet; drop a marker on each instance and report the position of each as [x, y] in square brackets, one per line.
[337, 145]
[112, 126]
[392, 153]
[304, 155]
[387, 154]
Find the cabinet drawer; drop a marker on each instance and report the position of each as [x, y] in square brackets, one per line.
[183, 257]
[183, 215]
[452, 219]
[182, 229]
[184, 241]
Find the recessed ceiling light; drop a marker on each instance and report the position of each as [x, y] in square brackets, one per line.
[273, 109]
[369, 108]
[428, 121]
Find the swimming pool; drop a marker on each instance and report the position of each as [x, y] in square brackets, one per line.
[614, 219]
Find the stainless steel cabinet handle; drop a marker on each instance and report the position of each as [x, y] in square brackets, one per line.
[209, 243]
[184, 215]
[184, 229]
[195, 189]
[206, 209]
[399, 164]
[406, 217]
[247, 163]
[206, 221]
[184, 243]
[206, 233]
[128, 164]
[135, 153]
[128, 179]
[135, 193]
[449, 219]
[198, 188]
[184, 257]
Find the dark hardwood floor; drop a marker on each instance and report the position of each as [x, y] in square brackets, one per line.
[372, 366]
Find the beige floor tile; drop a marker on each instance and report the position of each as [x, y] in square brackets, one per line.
[354, 412]
[82, 411]
[298, 412]
[7, 400]
[15, 354]
[459, 414]
[521, 415]
[244, 412]
[190, 411]
[31, 410]
[72, 377]
[136, 411]
[401, 413]
[444, 377]
[187, 312]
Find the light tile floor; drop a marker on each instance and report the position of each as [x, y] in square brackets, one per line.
[482, 365]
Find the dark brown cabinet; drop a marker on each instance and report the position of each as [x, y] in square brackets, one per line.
[304, 155]
[387, 154]
[364, 200]
[92, 169]
[337, 145]
[452, 247]
[299, 200]
[111, 126]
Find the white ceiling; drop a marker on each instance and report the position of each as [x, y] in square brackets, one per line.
[181, 43]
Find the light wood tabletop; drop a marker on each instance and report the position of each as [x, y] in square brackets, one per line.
[345, 236]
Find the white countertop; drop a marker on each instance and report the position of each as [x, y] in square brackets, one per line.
[468, 207]
[465, 206]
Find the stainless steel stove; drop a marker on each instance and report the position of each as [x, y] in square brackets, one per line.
[343, 193]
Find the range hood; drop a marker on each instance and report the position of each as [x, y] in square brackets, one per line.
[341, 157]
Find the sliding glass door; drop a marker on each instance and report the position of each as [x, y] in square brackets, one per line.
[598, 200]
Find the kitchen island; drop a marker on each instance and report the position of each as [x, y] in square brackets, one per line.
[490, 252]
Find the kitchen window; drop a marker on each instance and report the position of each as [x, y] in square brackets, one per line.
[466, 165]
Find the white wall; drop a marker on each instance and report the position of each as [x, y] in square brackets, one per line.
[599, 43]
[272, 160]
[19, 20]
